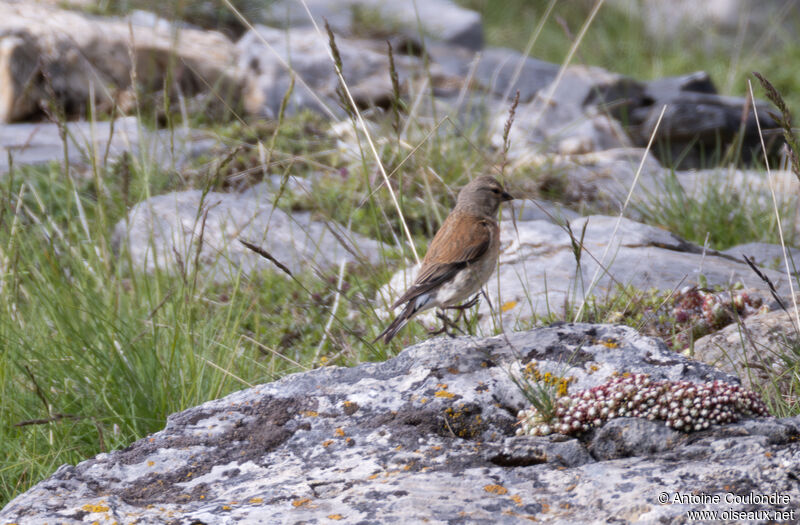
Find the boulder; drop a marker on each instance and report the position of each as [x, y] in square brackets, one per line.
[761, 350]
[767, 255]
[499, 71]
[599, 180]
[590, 109]
[266, 54]
[570, 116]
[40, 143]
[166, 231]
[437, 20]
[429, 437]
[698, 125]
[48, 53]
[538, 275]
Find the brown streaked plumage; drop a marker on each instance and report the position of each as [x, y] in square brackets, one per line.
[461, 256]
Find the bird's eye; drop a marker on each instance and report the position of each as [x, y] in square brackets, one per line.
[495, 190]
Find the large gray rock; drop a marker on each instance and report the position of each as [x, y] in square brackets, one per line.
[598, 181]
[568, 117]
[427, 437]
[499, 71]
[45, 50]
[165, 232]
[538, 274]
[267, 52]
[590, 109]
[698, 125]
[40, 143]
[441, 20]
[761, 350]
[767, 255]
[601, 181]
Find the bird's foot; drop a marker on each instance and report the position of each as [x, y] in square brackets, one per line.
[448, 326]
[463, 307]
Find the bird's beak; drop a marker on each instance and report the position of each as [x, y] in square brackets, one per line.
[507, 196]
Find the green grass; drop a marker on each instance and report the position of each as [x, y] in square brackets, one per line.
[95, 355]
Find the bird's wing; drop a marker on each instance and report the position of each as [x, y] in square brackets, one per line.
[462, 239]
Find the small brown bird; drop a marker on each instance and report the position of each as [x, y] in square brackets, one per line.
[461, 257]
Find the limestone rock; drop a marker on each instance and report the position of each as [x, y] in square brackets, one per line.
[696, 126]
[424, 437]
[75, 57]
[567, 117]
[165, 232]
[599, 180]
[538, 273]
[591, 109]
[759, 349]
[266, 53]
[766, 255]
[499, 71]
[40, 143]
[439, 20]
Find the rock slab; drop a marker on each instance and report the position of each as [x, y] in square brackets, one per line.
[539, 275]
[427, 436]
[167, 230]
[48, 53]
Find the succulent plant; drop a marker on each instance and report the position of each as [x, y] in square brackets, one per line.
[684, 405]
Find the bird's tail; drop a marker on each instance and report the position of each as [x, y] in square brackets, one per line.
[398, 323]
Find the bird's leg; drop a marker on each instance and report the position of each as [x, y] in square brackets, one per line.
[446, 323]
[462, 307]
[486, 295]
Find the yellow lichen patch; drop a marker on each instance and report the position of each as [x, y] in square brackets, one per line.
[309, 413]
[517, 499]
[609, 343]
[151, 463]
[256, 501]
[327, 443]
[339, 432]
[495, 489]
[301, 502]
[423, 400]
[336, 517]
[374, 476]
[443, 386]
[508, 305]
[445, 394]
[95, 508]
[226, 507]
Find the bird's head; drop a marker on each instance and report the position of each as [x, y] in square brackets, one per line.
[482, 196]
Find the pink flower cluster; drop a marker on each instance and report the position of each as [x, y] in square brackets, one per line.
[714, 309]
[683, 405]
